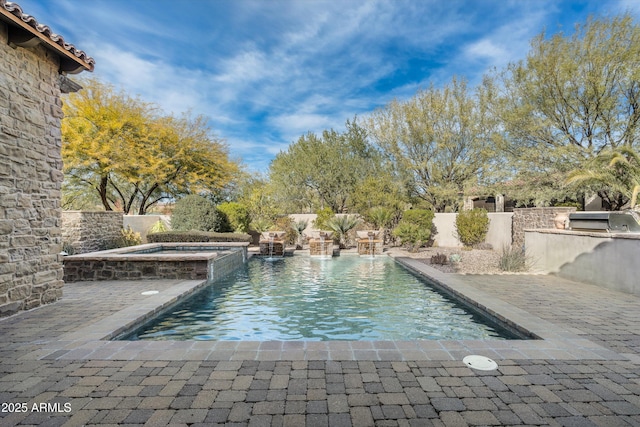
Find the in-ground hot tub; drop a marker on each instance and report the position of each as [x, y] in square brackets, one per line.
[157, 261]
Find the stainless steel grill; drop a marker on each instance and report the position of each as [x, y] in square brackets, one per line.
[614, 222]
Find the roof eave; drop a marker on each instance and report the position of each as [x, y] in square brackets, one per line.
[24, 35]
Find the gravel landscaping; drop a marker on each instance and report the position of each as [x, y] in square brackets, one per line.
[475, 261]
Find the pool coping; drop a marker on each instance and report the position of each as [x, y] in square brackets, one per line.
[556, 342]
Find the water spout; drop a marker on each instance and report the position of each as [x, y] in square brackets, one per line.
[271, 237]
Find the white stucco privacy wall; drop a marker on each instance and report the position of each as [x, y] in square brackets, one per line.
[499, 233]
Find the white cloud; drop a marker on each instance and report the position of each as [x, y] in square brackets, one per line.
[267, 72]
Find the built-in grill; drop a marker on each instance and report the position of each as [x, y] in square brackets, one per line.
[614, 222]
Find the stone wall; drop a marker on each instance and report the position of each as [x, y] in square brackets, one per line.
[30, 177]
[190, 265]
[90, 231]
[533, 219]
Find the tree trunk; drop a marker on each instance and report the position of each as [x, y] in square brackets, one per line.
[102, 190]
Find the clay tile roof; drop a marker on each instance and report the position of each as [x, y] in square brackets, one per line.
[45, 34]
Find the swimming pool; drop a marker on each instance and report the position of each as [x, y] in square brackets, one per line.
[301, 298]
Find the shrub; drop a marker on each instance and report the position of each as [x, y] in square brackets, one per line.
[513, 259]
[158, 227]
[320, 223]
[261, 224]
[196, 236]
[300, 226]
[237, 214]
[341, 225]
[68, 248]
[414, 229]
[285, 224]
[127, 237]
[194, 212]
[379, 216]
[472, 226]
[455, 258]
[421, 217]
[440, 259]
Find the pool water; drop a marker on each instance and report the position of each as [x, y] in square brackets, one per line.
[302, 298]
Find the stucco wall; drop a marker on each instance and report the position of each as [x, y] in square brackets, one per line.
[499, 233]
[499, 228]
[603, 259]
[30, 177]
[142, 223]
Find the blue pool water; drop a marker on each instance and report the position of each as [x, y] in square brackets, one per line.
[302, 298]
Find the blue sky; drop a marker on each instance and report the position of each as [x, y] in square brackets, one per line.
[267, 71]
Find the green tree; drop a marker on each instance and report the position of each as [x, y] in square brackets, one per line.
[195, 212]
[439, 141]
[323, 171]
[573, 97]
[132, 156]
[613, 172]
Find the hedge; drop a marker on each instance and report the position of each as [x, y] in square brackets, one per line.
[196, 236]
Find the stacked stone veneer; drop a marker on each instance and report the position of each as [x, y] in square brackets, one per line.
[118, 265]
[89, 231]
[532, 219]
[370, 247]
[30, 177]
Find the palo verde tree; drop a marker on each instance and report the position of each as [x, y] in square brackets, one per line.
[573, 97]
[439, 141]
[131, 156]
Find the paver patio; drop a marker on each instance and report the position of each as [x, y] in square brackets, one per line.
[586, 370]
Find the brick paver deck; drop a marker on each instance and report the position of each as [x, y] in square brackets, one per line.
[584, 372]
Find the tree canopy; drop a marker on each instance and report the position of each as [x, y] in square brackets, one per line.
[324, 171]
[439, 141]
[131, 155]
[572, 98]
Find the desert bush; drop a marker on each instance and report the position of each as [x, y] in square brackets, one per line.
[285, 224]
[379, 216]
[68, 248]
[421, 217]
[237, 215]
[196, 236]
[261, 224]
[472, 226]
[341, 225]
[194, 212]
[513, 259]
[484, 246]
[455, 258]
[158, 227]
[440, 259]
[300, 226]
[414, 229]
[320, 223]
[127, 237]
